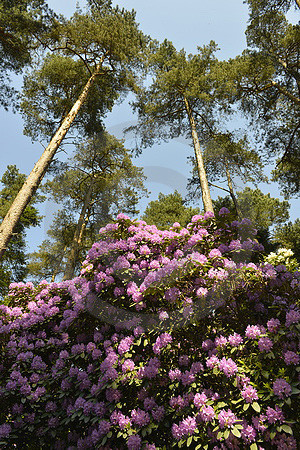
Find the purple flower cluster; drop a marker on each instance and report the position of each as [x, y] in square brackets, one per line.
[111, 384]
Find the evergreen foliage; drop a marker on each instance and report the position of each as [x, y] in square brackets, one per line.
[13, 266]
[167, 210]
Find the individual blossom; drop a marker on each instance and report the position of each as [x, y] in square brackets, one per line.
[134, 442]
[188, 426]
[228, 367]
[220, 341]
[259, 422]
[281, 388]
[5, 430]
[212, 362]
[292, 316]
[174, 374]
[226, 418]
[224, 211]
[200, 399]
[214, 253]
[253, 331]
[235, 339]
[248, 434]
[291, 358]
[274, 415]
[158, 413]
[183, 360]
[163, 315]
[128, 365]
[207, 413]
[265, 344]
[273, 325]
[249, 394]
[140, 417]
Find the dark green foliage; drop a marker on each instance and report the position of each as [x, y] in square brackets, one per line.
[104, 164]
[288, 236]
[21, 21]
[104, 37]
[161, 107]
[167, 210]
[13, 266]
[265, 82]
[263, 210]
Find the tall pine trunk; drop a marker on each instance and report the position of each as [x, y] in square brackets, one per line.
[230, 186]
[34, 179]
[207, 202]
[78, 235]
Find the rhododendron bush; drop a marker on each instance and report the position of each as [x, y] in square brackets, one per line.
[167, 339]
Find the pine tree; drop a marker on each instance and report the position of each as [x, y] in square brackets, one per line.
[13, 266]
[105, 42]
[167, 210]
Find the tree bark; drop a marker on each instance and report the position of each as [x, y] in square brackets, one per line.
[34, 179]
[57, 268]
[232, 194]
[78, 235]
[206, 197]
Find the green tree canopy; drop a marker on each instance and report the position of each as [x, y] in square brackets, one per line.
[13, 266]
[104, 37]
[91, 188]
[168, 209]
[288, 236]
[265, 81]
[227, 156]
[264, 211]
[107, 43]
[180, 101]
[21, 22]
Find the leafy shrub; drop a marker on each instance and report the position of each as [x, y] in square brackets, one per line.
[282, 256]
[167, 339]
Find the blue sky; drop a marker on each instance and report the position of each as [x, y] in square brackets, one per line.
[187, 24]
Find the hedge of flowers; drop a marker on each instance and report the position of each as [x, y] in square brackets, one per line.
[167, 339]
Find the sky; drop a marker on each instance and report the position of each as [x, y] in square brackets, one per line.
[187, 24]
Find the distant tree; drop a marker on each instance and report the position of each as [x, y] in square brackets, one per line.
[226, 157]
[104, 47]
[95, 184]
[21, 23]
[264, 211]
[265, 82]
[288, 236]
[168, 209]
[13, 266]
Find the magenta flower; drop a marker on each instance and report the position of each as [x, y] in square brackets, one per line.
[273, 325]
[291, 358]
[281, 388]
[226, 418]
[265, 344]
[249, 394]
[200, 400]
[207, 413]
[134, 442]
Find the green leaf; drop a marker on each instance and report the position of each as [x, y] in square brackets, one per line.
[226, 434]
[253, 447]
[236, 432]
[246, 406]
[220, 435]
[287, 429]
[189, 441]
[255, 406]
[221, 404]
[295, 391]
